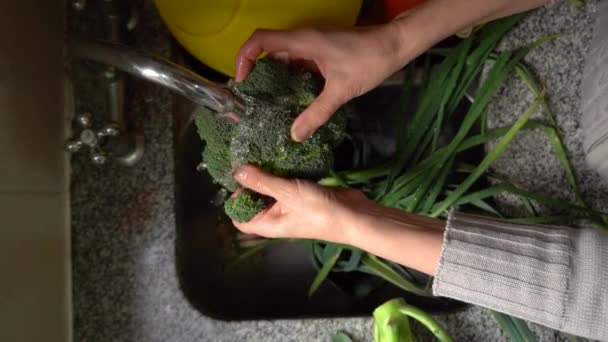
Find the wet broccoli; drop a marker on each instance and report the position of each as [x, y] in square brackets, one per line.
[244, 206]
[217, 134]
[276, 94]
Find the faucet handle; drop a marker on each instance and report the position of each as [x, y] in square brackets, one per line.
[91, 138]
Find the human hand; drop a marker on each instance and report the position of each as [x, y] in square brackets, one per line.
[306, 210]
[351, 61]
[302, 209]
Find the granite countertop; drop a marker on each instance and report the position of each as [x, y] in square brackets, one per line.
[125, 286]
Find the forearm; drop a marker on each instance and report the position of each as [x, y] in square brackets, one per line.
[553, 276]
[435, 20]
[408, 239]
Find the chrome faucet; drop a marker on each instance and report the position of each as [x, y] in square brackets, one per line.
[160, 71]
[113, 140]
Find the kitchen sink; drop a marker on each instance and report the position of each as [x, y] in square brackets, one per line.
[274, 283]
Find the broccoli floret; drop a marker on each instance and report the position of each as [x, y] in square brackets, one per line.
[277, 83]
[276, 94]
[264, 140]
[217, 134]
[244, 206]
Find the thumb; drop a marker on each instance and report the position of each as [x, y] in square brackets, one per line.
[317, 113]
[254, 178]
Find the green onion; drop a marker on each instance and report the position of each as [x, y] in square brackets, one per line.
[486, 162]
[324, 271]
[517, 329]
[373, 265]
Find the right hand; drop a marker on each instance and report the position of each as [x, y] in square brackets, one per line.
[351, 61]
[302, 209]
[306, 210]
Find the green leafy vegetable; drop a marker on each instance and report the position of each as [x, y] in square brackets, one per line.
[373, 265]
[391, 322]
[517, 329]
[251, 251]
[328, 265]
[485, 163]
[341, 336]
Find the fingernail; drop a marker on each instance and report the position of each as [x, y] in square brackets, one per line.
[232, 116]
[240, 174]
[239, 73]
[300, 133]
[282, 56]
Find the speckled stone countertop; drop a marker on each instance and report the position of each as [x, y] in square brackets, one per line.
[125, 286]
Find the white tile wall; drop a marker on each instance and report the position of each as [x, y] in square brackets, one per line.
[34, 198]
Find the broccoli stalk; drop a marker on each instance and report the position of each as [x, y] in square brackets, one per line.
[276, 94]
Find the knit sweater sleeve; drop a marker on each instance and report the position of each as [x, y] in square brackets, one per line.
[551, 275]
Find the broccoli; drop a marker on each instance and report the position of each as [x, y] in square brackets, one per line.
[276, 94]
[244, 206]
[216, 154]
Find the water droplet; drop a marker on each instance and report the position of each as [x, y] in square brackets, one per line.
[220, 197]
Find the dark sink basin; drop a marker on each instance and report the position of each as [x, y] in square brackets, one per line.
[273, 284]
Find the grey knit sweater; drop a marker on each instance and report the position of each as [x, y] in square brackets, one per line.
[554, 276]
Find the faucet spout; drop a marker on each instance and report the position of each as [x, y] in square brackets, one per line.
[160, 71]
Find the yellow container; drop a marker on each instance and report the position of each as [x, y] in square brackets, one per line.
[214, 30]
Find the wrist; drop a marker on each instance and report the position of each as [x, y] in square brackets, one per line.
[365, 225]
[350, 232]
[412, 36]
[403, 45]
[408, 239]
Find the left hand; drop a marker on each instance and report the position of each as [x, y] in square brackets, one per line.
[352, 62]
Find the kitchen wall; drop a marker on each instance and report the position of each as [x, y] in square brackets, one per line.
[34, 197]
